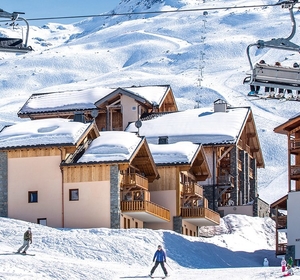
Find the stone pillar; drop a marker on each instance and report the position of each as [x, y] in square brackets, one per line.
[177, 224]
[253, 188]
[247, 178]
[115, 206]
[3, 185]
[243, 177]
[211, 194]
[234, 172]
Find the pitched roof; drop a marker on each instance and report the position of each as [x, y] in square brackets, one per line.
[290, 125]
[87, 99]
[111, 146]
[177, 153]
[50, 132]
[63, 101]
[121, 147]
[182, 153]
[203, 126]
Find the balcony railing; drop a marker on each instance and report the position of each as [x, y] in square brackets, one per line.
[295, 144]
[200, 212]
[135, 179]
[281, 222]
[192, 189]
[295, 171]
[281, 249]
[146, 206]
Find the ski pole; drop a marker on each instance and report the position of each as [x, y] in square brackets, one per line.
[169, 266]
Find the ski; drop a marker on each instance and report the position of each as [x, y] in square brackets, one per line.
[161, 277]
[27, 254]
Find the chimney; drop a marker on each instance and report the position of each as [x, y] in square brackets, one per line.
[163, 140]
[220, 106]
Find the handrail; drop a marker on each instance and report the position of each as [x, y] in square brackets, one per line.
[192, 189]
[200, 212]
[295, 144]
[135, 179]
[147, 206]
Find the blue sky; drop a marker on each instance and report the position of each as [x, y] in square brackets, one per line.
[57, 8]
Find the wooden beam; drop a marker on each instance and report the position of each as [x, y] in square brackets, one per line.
[251, 135]
[141, 160]
[225, 153]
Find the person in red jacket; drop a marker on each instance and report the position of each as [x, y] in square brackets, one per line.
[159, 258]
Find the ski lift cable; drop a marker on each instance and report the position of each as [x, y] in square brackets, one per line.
[152, 12]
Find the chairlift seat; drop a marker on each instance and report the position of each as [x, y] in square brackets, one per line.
[13, 45]
[274, 76]
[10, 42]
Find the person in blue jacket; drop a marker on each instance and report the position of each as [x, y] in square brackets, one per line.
[159, 258]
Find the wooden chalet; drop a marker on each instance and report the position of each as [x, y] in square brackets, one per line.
[70, 176]
[181, 165]
[287, 220]
[232, 148]
[126, 173]
[112, 109]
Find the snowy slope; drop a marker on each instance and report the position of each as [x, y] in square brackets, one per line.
[236, 252]
[202, 57]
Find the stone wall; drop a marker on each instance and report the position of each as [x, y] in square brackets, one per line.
[3, 185]
[115, 209]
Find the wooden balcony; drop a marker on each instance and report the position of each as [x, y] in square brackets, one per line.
[295, 172]
[200, 216]
[192, 189]
[281, 249]
[295, 146]
[145, 211]
[134, 180]
[281, 222]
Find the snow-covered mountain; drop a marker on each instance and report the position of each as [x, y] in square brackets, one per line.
[200, 53]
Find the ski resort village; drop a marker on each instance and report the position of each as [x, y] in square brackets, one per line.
[159, 139]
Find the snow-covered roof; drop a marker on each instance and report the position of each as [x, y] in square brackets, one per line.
[111, 146]
[42, 132]
[62, 101]
[154, 94]
[85, 99]
[201, 125]
[177, 153]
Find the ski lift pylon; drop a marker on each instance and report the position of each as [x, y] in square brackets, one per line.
[15, 45]
[271, 76]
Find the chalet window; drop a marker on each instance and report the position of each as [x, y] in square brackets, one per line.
[32, 197]
[42, 221]
[73, 194]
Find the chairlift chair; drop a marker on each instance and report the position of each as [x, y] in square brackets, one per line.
[272, 76]
[15, 45]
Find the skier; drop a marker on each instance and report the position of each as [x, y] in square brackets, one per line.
[27, 240]
[290, 263]
[283, 264]
[160, 257]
